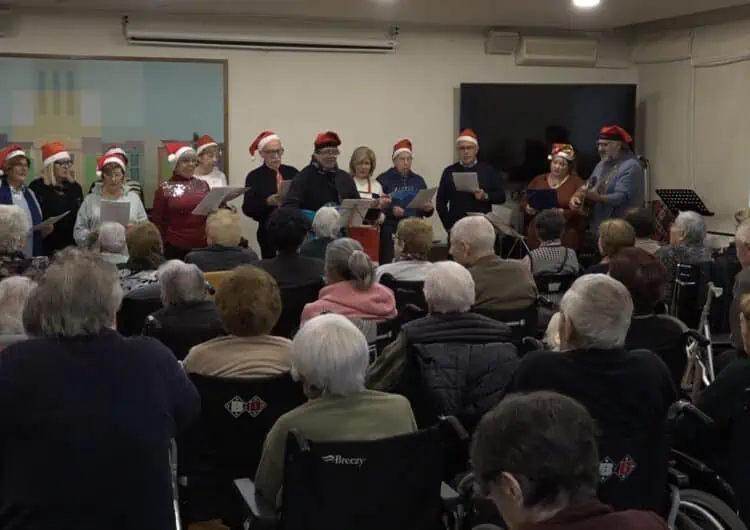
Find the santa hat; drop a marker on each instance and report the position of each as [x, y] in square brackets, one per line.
[109, 159]
[116, 150]
[402, 146]
[327, 139]
[565, 151]
[262, 140]
[467, 135]
[617, 133]
[53, 152]
[10, 152]
[203, 143]
[176, 151]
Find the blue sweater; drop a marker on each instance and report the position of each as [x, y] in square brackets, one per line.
[624, 191]
[402, 190]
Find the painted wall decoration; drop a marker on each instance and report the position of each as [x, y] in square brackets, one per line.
[92, 103]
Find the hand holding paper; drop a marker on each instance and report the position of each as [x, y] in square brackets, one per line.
[216, 197]
[353, 211]
[423, 198]
[115, 212]
[468, 182]
[50, 222]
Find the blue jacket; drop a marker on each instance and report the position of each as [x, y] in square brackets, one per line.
[402, 191]
[624, 191]
[6, 197]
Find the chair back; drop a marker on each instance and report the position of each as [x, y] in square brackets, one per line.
[227, 441]
[293, 301]
[736, 468]
[136, 306]
[406, 293]
[522, 322]
[390, 483]
[554, 286]
[689, 292]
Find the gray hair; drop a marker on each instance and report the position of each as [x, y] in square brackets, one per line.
[112, 238]
[181, 283]
[326, 222]
[78, 295]
[693, 226]
[14, 229]
[14, 292]
[477, 233]
[743, 233]
[347, 258]
[330, 354]
[599, 308]
[449, 288]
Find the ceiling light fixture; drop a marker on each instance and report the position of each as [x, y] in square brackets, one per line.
[586, 4]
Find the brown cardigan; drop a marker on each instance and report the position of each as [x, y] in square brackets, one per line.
[576, 223]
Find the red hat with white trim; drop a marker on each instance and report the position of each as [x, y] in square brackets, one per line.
[10, 152]
[117, 150]
[109, 159]
[203, 143]
[402, 146]
[327, 139]
[468, 135]
[262, 140]
[177, 150]
[54, 152]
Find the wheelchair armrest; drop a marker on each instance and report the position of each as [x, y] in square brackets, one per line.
[534, 343]
[449, 498]
[456, 427]
[260, 509]
[545, 302]
[701, 339]
[682, 408]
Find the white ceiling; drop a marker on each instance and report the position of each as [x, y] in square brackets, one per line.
[484, 13]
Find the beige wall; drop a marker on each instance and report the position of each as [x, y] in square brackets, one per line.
[368, 99]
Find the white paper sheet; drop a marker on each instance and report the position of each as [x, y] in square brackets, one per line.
[353, 211]
[466, 181]
[422, 198]
[115, 212]
[216, 197]
[50, 221]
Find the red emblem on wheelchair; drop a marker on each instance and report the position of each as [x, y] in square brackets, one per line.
[625, 467]
[255, 406]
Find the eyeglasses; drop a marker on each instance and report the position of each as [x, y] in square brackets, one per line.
[332, 151]
[64, 163]
[274, 152]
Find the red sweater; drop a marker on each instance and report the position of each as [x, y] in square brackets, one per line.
[174, 202]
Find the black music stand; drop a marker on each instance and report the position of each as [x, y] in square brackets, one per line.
[683, 201]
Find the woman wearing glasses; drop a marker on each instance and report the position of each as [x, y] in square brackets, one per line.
[58, 192]
[208, 171]
[265, 185]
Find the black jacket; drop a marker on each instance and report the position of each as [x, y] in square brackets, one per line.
[451, 364]
[183, 326]
[216, 258]
[314, 187]
[87, 427]
[55, 200]
[290, 270]
[261, 184]
[316, 248]
[453, 205]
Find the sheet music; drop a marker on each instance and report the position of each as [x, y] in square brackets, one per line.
[216, 197]
[115, 212]
[422, 198]
[353, 211]
[468, 181]
[50, 221]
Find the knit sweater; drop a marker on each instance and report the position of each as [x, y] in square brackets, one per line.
[174, 202]
[377, 303]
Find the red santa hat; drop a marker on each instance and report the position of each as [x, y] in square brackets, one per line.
[402, 146]
[54, 152]
[116, 150]
[109, 159]
[203, 143]
[565, 151]
[262, 140]
[10, 152]
[327, 139]
[615, 132]
[177, 150]
[468, 135]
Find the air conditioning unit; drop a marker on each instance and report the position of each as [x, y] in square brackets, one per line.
[557, 51]
[262, 43]
[501, 42]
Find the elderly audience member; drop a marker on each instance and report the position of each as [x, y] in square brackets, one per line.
[351, 288]
[249, 305]
[223, 253]
[450, 339]
[472, 244]
[594, 368]
[741, 282]
[14, 292]
[286, 230]
[614, 235]
[112, 245]
[644, 225]
[411, 246]
[14, 227]
[79, 401]
[686, 246]
[551, 257]
[188, 316]
[558, 490]
[330, 355]
[326, 228]
[146, 255]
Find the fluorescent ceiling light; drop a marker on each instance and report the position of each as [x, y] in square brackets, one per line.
[586, 3]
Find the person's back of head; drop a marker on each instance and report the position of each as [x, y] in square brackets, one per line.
[223, 228]
[414, 238]
[112, 238]
[471, 239]
[14, 229]
[287, 228]
[145, 244]
[550, 225]
[346, 261]
[643, 275]
[181, 283]
[14, 292]
[449, 288]
[689, 228]
[249, 302]
[326, 222]
[615, 235]
[642, 221]
[742, 242]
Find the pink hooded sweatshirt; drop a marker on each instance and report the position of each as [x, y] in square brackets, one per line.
[377, 303]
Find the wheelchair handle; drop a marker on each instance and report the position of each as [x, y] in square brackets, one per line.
[699, 337]
[682, 407]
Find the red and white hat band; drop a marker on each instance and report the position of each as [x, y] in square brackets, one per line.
[12, 155]
[182, 151]
[203, 147]
[114, 160]
[266, 140]
[402, 150]
[62, 155]
[469, 139]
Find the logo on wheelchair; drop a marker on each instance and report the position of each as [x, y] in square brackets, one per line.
[342, 460]
[622, 469]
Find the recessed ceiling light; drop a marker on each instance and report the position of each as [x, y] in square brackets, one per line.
[586, 4]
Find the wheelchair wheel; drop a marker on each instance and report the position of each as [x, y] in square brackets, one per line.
[706, 511]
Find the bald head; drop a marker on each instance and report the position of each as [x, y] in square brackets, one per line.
[472, 238]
